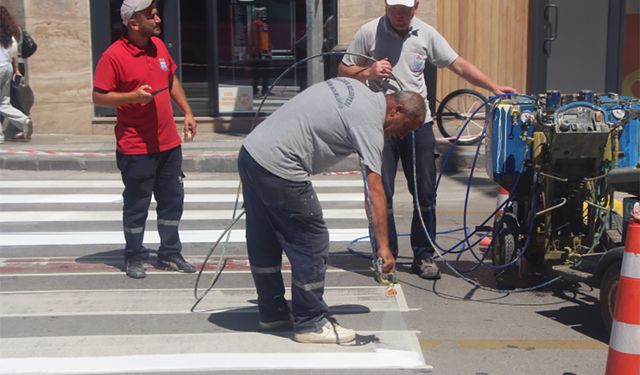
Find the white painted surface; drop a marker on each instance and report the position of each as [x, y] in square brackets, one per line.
[189, 184]
[179, 301]
[117, 198]
[205, 352]
[116, 215]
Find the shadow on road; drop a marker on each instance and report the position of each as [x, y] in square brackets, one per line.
[245, 319]
[112, 258]
[583, 315]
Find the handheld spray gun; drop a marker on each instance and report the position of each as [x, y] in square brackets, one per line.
[383, 278]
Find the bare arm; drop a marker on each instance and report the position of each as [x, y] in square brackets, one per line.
[379, 69]
[14, 62]
[177, 94]
[379, 216]
[114, 99]
[473, 75]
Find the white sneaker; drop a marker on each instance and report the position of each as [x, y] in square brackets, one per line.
[331, 333]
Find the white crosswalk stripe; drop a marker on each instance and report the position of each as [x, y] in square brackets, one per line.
[117, 198]
[189, 215]
[72, 212]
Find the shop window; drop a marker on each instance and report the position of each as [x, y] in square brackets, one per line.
[228, 49]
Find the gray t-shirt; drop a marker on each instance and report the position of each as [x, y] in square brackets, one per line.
[318, 128]
[407, 54]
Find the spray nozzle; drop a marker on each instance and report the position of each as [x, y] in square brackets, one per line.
[383, 278]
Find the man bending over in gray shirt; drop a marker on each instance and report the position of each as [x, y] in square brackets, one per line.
[316, 129]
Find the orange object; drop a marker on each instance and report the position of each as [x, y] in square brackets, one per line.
[260, 41]
[391, 292]
[503, 195]
[624, 345]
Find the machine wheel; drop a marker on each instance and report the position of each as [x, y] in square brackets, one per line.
[454, 111]
[608, 293]
[505, 249]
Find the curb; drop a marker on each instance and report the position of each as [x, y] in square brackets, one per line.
[193, 161]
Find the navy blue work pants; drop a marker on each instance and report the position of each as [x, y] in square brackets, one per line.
[401, 149]
[285, 215]
[159, 174]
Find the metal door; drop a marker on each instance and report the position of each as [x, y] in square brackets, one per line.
[574, 45]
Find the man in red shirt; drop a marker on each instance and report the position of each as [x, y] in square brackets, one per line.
[136, 76]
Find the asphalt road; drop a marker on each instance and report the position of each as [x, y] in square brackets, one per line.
[66, 306]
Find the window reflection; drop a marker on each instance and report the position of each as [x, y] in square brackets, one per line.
[257, 40]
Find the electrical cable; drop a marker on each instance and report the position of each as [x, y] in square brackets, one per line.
[221, 260]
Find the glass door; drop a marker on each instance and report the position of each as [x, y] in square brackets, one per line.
[228, 52]
[256, 44]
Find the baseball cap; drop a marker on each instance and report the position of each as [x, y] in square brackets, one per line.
[129, 7]
[407, 3]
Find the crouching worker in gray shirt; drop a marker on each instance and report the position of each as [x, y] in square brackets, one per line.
[314, 130]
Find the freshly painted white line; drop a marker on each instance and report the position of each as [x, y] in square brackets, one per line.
[117, 198]
[205, 352]
[177, 301]
[150, 237]
[380, 359]
[188, 215]
[189, 184]
[402, 301]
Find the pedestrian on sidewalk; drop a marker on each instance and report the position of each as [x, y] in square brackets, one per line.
[10, 75]
[316, 129]
[136, 75]
[403, 44]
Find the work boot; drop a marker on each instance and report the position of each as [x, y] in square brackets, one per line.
[135, 268]
[330, 333]
[425, 268]
[175, 262]
[276, 325]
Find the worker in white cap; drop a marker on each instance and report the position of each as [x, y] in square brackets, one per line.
[403, 44]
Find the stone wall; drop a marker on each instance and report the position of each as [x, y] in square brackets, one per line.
[354, 13]
[60, 71]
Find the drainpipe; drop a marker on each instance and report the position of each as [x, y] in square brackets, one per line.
[315, 36]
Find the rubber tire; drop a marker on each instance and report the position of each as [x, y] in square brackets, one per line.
[441, 110]
[505, 248]
[608, 293]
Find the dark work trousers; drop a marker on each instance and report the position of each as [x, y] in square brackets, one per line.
[402, 149]
[260, 74]
[159, 174]
[285, 215]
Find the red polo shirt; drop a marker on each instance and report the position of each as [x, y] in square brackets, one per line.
[123, 67]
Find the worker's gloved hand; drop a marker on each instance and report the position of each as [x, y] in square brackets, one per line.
[388, 261]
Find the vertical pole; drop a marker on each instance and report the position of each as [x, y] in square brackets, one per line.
[212, 57]
[170, 14]
[315, 36]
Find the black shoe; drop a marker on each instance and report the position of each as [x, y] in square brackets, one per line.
[176, 262]
[425, 268]
[135, 268]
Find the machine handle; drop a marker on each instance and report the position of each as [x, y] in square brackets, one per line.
[551, 13]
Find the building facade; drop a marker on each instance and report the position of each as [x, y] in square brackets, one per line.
[228, 50]
[212, 41]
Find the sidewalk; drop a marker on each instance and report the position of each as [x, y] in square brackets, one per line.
[209, 152]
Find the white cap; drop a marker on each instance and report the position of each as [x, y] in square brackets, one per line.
[129, 7]
[407, 3]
